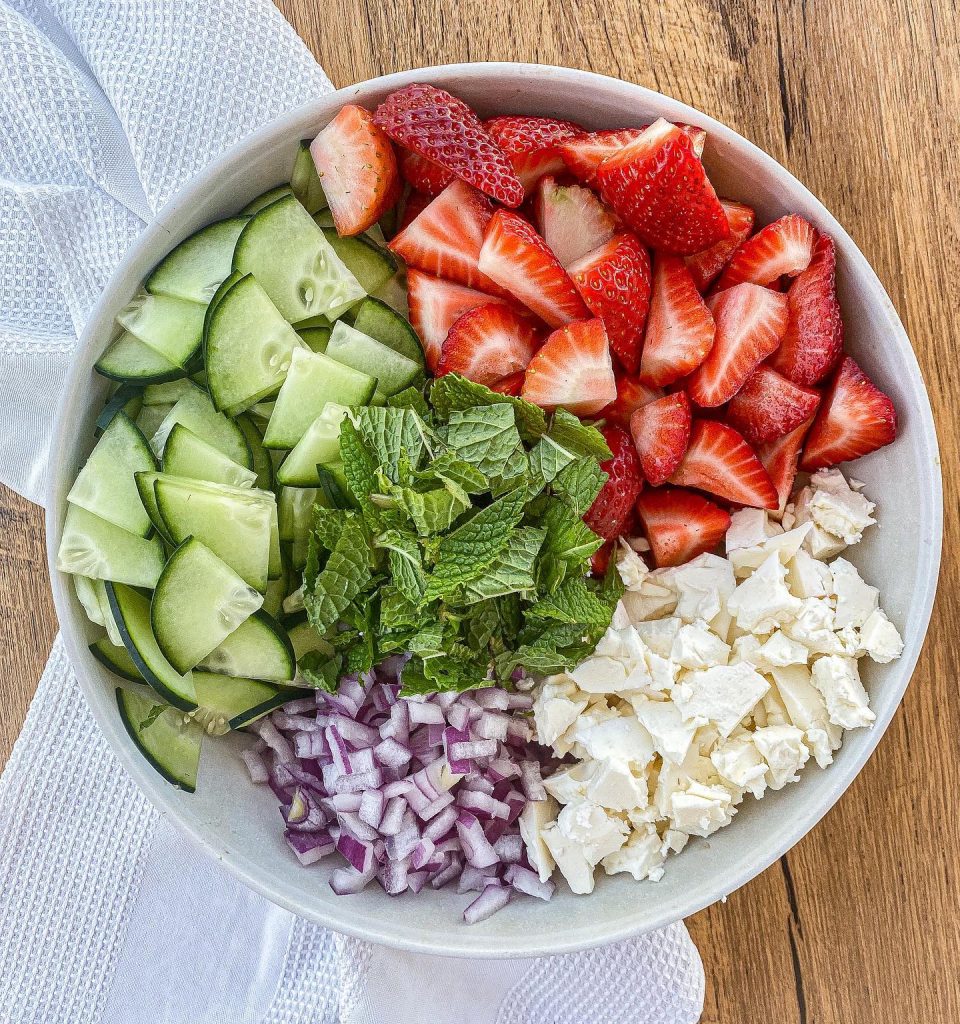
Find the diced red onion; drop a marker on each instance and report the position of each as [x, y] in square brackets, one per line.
[492, 725]
[358, 782]
[359, 854]
[309, 846]
[526, 881]
[256, 766]
[473, 879]
[483, 805]
[393, 876]
[441, 823]
[532, 781]
[293, 723]
[350, 822]
[476, 848]
[447, 874]
[491, 697]
[310, 744]
[509, 848]
[393, 816]
[458, 716]
[300, 705]
[277, 743]
[472, 749]
[392, 753]
[425, 713]
[372, 804]
[492, 899]
[348, 881]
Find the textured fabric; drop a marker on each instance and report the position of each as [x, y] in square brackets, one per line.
[106, 108]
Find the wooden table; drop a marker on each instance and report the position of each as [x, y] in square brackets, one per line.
[860, 923]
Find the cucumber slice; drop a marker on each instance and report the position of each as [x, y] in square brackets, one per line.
[262, 465]
[268, 197]
[173, 327]
[371, 265]
[90, 546]
[127, 398]
[187, 455]
[109, 623]
[293, 261]
[229, 703]
[393, 371]
[195, 268]
[198, 603]
[314, 379]
[149, 419]
[129, 359]
[131, 612]
[86, 589]
[305, 639]
[145, 482]
[248, 347]
[275, 558]
[106, 485]
[305, 181]
[167, 742]
[394, 294]
[323, 219]
[295, 509]
[376, 235]
[116, 660]
[320, 443]
[169, 393]
[378, 321]
[276, 591]
[197, 413]
[235, 523]
[258, 648]
[315, 338]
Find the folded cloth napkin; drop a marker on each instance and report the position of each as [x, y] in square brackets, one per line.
[107, 914]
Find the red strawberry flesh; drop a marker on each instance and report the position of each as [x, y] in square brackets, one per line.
[661, 433]
[705, 266]
[783, 247]
[680, 524]
[573, 370]
[572, 220]
[769, 406]
[631, 395]
[531, 144]
[613, 506]
[422, 174]
[488, 343]
[781, 459]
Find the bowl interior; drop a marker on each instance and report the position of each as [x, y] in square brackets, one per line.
[238, 823]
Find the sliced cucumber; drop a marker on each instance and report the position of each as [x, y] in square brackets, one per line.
[371, 265]
[295, 508]
[195, 268]
[394, 372]
[293, 261]
[275, 559]
[306, 639]
[127, 398]
[145, 482]
[248, 345]
[262, 465]
[109, 623]
[314, 379]
[258, 648]
[377, 320]
[86, 589]
[315, 338]
[268, 197]
[276, 591]
[169, 393]
[150, 417]
[305, 181]
[106, 485]
[394, 294]
[173, 327]
[229, 703]
[197, 413]
[320, 444]
[129, 359]
[171, 745]
[116, 660]
[131, 611]
[187, 455]
[93, 547]
[323, 219]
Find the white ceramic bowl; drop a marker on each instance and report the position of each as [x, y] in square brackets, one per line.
[239, 824]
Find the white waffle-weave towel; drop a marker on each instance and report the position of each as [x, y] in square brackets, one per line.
[107, 915]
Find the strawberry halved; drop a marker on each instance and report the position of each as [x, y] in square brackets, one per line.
[661, 433]
[358, 168]
[719, 461]
[442, 128]
[572, 220]
[781, 460]
[750, 322]
[680, 329]
[680, 524]
[585, 153]
[414, 203]
[613, 506]
[705, 266]
[531, 144]
[813, 340]
[488, 343]
[856, 418]
[573, 369]
[614, 282]
[769, 406]
[512, 385]
[658, 186]
[783, 247]
[519, 260]
[422, 174]
[631, 395]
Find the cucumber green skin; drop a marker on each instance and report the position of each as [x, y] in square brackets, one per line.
[377, 320]
[265, 199]
[305, 182]
[148, 496]
[281, 697]
[116, 660]
[228, 282]
[267, 626]
[115, 365]
[182, 776]
[262, 465]
[394, 372]
[175, 276]
[128, 398]
[315, 338]
[369, 264]
[196, 412]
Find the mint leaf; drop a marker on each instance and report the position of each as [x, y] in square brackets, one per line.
[391, 434]
[570, 542]
[406, 564]
[360, 468]
[514, 571]
[346, 573]
[554, 648]
[411, 398]
[577, 437]
[573, 603]
[321, 671]
[579, 483]
[453, 392]
[547, 459]
[486, 437]
[451, 469]
[431, 511]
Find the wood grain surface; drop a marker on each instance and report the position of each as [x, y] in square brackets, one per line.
[860, 923]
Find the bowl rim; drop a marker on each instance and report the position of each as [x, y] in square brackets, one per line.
[162, 796]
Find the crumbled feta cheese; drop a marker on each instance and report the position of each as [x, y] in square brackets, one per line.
[570, 859]
[659, 634]
[879, 638]
[807, 576]
[747, 649]
[534, 818]
[762, 601]
[739, 762]
[632, 568]
[838, 680]
[748, 528]
[662, 719]
[652, 600]
[780, 650]
[622, 738]
[807, 711]
[570, 782]
[813, 627]
[595, 830]
[703, 586]
[786, 545]
[856, 600]
[696, 646]
[600, 674]
[642, 856]
[552, 717]
[784, 751]
[700, 810]
[615, 786]
[722, 695]
[835, 508]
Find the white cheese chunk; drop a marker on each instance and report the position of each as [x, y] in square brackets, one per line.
[700, 810]
[722, 695]
[807, 576]
[748, 528]
[738, 761]
[616, 787]
[671, 735]
[780, 650]
[659, 634]
[632, 568]
[652, 600]
[785, 545]
[808, 711]
[622, 738]
[880, 639]
[570, 783]
[838, 680]
[856, 600]
[534, 818]
[642, 856]
[703, 586]
[782, 747]
[762, 601]
[696, 646]
[570, 859]
[595, 830]
[813, 627]
[554, 715]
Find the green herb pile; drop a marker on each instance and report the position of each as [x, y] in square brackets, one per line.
[461, 541]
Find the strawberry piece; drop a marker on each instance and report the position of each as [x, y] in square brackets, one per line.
[488, 343]
[719, 461]
[442, 128]
[422, 174]
[445, 239]
[572, 220]
[512, 385]
[519, 260]
[769, 406]
[698, 136]
[661, 433]
[658, 186]
[413, 205]
[680, 327]
[680, 524]
[613, 506]
[600, 559]
[705, 266]
[573, 369]
[750, 322]
[614, 282]
[531, 144]
[585, 153]
[813, 341]
[783, 247]
[781, 459]
[358, 168]
[435, 305]
[631, 395]
[856, 418]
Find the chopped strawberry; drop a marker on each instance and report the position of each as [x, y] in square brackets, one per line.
[680, 327]
[856, 418]
[572, 220]
[422, 174]
[780, 459]
[614, 282]
[445, 130]
[573, 369]
[434, 306]
[600, 559]
[531, 144]
[750, 323]
[813, 341]
[414, 203]
[661, 433]
[584, 154]
[358, 168]
[719, 461]
[783, 247]
[705, 266]
[698, 136]
[519, 260]
[613, 506]
[511, 385]
[769, 406]
[488, 343]
[680, 524]
[631, 395]
[658, 186]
